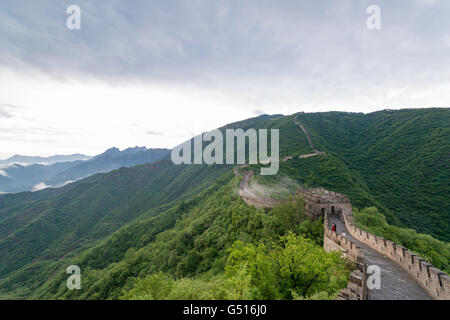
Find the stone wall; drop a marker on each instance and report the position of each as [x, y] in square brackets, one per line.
[319, 202]
[356, 288]
[259, 202]
[433, 280]
[251, 198]
[320, 195]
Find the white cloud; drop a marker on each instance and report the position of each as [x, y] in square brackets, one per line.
[154, 133]
[39, 186]
[446, 40]
[258, 112]
[8, 110]
[42, 186]
[4, 174]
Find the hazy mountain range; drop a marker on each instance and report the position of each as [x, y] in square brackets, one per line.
[24, 173]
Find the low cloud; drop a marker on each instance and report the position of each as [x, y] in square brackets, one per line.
[283, 188]
[42, 186]
[8, 110]
[154, 133]
[258, 112]
[4, 174]
[5, 114]
[39, 186]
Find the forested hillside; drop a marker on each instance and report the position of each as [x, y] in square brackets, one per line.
[396, 160]
[191, 242]
[52, 224]
[188, 222]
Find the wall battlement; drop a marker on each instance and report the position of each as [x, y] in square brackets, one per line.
[320, 195]
[431, 279]
[319, 203]
[356, 288]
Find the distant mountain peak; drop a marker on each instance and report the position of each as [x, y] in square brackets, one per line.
[115, 152]
[135, 150]
[112, 150]
[27, 176]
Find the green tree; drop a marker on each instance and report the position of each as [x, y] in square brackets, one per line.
[294, 266]
[154, 287]
[254, 261]
[302, 266]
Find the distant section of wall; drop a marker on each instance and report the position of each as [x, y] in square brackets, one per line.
[249, 197]
[356, 288]
[259, 202]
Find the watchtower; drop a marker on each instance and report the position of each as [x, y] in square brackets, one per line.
[319, 201]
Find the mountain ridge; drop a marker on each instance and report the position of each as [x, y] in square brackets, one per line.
[32, 177]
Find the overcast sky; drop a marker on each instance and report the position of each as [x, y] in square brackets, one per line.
[154, 73]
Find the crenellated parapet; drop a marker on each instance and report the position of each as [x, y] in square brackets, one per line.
[320, 195]
[434, 281]
[430, 278]
[320, 203]
[356, 288]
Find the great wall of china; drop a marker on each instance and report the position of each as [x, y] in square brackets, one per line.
[404, 275]
[316, 152]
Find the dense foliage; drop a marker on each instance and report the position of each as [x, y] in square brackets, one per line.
[399, 158]
[51, 224]
[189, 242]
[294, 267]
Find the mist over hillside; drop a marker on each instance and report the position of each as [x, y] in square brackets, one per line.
[19, 177]
[44, 160]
